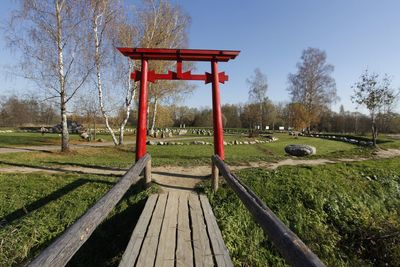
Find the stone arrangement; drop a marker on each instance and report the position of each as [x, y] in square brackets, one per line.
[235, 142]
[340, 138]
[73, 127]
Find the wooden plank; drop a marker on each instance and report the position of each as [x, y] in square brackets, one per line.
[132, 250]
[166, 245]
[62, 250]
[219, 249]
[295, 252]
[184, 249]
[149, 248]
[201, 243]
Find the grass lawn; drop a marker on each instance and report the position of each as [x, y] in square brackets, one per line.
[343, 212]
[17, 139]
[348, 213]
[36, 208]
[185, 155]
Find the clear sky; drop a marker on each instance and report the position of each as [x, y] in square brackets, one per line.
[271, 34]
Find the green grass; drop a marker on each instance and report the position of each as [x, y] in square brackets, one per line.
[348, 214]
[185, 155]
[27, 139]
[338, 210]
[36, 208]
[18, 139]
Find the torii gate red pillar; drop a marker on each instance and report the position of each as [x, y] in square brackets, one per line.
[141, 127]
[217, 114]
[180, 55]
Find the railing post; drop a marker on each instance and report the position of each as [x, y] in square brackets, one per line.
[147, 172]
[214, 176]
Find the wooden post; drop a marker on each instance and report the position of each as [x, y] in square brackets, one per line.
[147, 172]
[214, 176]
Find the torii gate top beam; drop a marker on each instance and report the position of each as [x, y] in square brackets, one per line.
[179, 54]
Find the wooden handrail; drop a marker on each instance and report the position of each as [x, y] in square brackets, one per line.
[64, 247]
[294, 251]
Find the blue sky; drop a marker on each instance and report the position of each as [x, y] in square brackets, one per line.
[356, 34]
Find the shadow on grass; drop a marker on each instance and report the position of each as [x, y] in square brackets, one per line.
[87, 166]
[19, 213]
[265, 150]
[54, 169]
[18, 149]
[108, 242]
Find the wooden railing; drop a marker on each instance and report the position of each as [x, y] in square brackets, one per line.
[295, 252]
[64, 247]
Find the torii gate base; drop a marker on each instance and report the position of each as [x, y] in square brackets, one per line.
[179, 55]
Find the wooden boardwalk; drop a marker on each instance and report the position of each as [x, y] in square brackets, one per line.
[176, 229]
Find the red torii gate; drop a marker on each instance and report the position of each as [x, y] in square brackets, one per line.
[179, 55]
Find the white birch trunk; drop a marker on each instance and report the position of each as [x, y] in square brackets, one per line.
[61, 77]
[99, 81]
[130, 95]
[153, 124]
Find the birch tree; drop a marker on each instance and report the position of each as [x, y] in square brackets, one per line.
[257, 92]
[109, 28]
[163, 25]
[46, 35]
[375, 95]
[313, 84]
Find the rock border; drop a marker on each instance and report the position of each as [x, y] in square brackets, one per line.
[337, 138]
[196, 142]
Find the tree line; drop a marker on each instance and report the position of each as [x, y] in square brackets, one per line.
[31, 111]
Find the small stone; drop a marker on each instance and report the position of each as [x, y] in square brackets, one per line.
[151, 143]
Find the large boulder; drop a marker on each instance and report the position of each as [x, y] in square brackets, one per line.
[300, 150]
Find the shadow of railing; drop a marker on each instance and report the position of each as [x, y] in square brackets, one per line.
[88, 166]
[55, 169]
[108, 242]
[19, 213]
[30, 149]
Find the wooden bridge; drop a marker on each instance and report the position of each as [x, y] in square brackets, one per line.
[176, 228]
